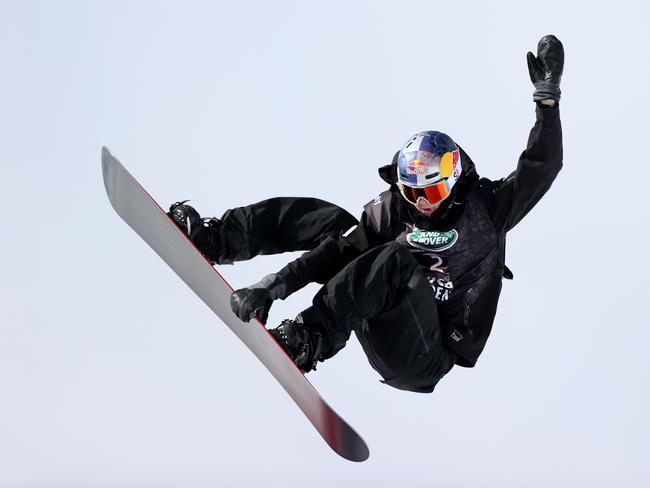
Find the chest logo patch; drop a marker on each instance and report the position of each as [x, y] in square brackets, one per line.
[432, 240]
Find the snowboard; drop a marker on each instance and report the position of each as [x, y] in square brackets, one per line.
[141, 212]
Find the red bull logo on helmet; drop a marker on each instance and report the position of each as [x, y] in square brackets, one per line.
[416, 167]
[457, 166]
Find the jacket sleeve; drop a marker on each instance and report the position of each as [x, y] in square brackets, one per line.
[539, 164]
[330, 256]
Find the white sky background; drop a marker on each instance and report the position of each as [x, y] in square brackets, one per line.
[114, 374]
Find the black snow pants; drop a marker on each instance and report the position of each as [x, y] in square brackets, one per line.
[277, 225]
[383, 295]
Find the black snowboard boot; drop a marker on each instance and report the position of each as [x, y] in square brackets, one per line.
[300, 343]
[205, 233]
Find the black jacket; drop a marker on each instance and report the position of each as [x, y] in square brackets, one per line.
[466, 323]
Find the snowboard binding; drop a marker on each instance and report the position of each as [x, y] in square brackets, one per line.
[205, 233]
[301, 344]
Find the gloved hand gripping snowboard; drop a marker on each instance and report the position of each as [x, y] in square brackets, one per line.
[256, 300]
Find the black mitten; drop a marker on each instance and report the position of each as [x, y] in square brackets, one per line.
[546, 69]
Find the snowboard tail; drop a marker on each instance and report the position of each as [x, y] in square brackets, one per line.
[141, 212]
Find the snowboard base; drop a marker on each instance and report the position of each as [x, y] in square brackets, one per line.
[141, 212]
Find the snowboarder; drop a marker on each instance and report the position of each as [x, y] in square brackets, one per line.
[418, 277]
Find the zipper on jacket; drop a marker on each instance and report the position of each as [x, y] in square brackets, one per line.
[415, 317]
[467, 308]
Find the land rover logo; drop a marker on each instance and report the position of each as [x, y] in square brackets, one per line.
[432, 240]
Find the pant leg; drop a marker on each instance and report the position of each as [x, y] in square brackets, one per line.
[279, 225]
[384, 297]
[392, 341]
